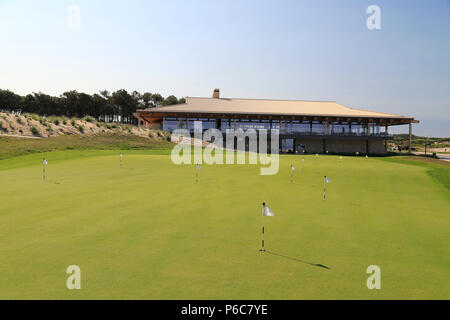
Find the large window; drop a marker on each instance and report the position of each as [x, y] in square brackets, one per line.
[317, 128]
[340, 129]
[171, 124]
[301, 127]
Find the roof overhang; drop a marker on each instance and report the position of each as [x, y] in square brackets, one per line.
[254, 109]
[391, 121]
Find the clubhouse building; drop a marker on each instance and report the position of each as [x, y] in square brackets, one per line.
[304, 126]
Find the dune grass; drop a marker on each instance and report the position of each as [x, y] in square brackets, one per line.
[147, 231]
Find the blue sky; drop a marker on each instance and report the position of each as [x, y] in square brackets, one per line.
[317, 50]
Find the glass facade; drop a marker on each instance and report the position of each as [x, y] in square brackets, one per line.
[287, 126]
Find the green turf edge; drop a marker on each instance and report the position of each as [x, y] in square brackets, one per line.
[440, 172]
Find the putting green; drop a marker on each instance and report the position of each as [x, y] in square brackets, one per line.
[147, 231]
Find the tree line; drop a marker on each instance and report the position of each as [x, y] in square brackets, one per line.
[117, 106]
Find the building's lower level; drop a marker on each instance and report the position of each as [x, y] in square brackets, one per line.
[303, 144]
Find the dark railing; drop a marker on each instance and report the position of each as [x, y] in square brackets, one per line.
[321, 134]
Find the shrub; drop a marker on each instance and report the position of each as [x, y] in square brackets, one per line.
[89, 119]
[72, 122]
[64, 121]
[81, 129]
[56, 122]
[34, 131]
[31, 116]
[19, 120]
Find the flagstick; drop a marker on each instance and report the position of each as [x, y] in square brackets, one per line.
[262, 248]
[43, 171]
[324, 188]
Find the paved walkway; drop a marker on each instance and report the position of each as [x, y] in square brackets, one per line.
[19, 136]
[443, 156]
[440, 156]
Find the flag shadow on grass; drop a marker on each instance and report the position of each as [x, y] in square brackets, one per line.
[299, 260]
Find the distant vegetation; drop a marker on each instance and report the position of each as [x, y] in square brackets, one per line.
[418, 143]
[118, 106]
[417, 140]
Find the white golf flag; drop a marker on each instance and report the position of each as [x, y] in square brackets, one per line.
[267, 212]
[303, 159]
[121, 155]
[292, 168]
[45, 162]
[199, 167]
[327, 180]
[340, 157]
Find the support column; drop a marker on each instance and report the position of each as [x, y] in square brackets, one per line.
[410, 136]
[310, 128]
[281, 125]
[386, 129]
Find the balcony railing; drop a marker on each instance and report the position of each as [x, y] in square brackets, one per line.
[315, 133]
[336, 134]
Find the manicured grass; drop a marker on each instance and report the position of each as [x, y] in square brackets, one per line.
[147, 231]
[13, 147]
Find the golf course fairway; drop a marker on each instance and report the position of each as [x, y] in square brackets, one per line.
[148, 231]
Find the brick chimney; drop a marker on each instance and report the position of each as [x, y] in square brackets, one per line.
[216, 94]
